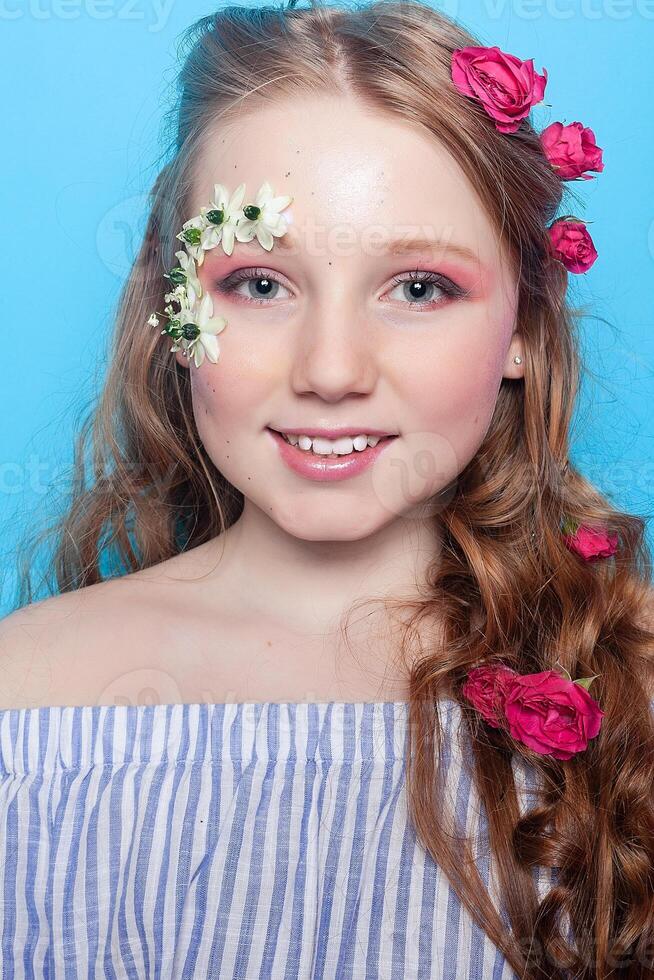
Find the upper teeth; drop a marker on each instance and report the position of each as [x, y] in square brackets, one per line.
[340, 446]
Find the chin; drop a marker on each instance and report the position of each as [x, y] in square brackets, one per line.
[310, 522]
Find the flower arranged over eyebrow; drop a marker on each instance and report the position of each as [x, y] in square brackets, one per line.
[221, 217]
[263, 218]
[190, 316]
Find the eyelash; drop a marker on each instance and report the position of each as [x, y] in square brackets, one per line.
[449, 288]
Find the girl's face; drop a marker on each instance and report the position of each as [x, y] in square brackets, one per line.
[326, 330]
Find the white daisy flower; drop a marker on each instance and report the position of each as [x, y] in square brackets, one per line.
[263, 219]
[178, 295]
[221, 217]
[191, 235]
[199, 329]
[193, 285]
[194, 328]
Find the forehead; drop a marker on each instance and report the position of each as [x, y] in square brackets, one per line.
[346, 167]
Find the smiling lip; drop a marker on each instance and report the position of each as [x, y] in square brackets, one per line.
[323, 469]
[333, 433]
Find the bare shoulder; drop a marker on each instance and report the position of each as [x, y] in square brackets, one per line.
[43, 646]
[70, 648]
[35, 643]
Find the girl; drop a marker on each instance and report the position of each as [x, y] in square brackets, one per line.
[342, 378]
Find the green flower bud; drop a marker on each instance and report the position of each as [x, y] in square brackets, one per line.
[190, 331]
[251, 211]
[177, 275]
[570, 526]
[172, 328]
[586, 681]
[192, 235]
[216, 217]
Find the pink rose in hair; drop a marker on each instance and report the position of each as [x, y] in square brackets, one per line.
[550, 714]
[571, 150]
[484, 689]
[591, 543]
[572, 245]
[506, 86]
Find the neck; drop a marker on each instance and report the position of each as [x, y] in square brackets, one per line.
[311, 584]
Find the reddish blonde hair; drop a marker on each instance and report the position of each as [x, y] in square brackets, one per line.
[504, 585]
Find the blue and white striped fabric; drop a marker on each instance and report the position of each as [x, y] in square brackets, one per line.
[230, 840]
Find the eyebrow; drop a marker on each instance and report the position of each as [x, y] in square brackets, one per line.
[394, 246]
[400, 246]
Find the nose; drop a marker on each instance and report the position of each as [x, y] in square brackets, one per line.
[335, 350]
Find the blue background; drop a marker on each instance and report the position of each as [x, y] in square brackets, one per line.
[89, 82]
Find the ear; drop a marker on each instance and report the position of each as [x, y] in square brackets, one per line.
[511, 369]
[181, 360]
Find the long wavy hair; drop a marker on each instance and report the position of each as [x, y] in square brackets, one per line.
[504, 585]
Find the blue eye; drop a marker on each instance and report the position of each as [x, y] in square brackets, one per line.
[421, 282]
[262, 286]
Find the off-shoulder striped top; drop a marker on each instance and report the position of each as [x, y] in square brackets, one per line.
[231, 840]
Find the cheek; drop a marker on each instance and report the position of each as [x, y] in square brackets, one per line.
[456, 405]
[209, 403]
[452, 388]
[229, 392]
[229, 400]
[218, 404]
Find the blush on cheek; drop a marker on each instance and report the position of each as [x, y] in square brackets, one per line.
[481, 404]
[457, 406]
[226, 394]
